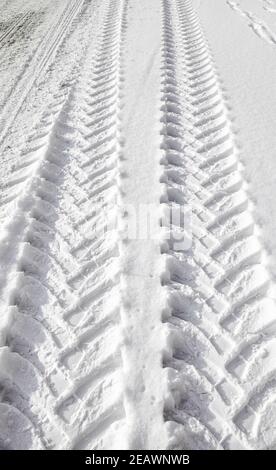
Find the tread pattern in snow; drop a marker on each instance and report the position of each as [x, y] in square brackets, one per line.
[62, 383]
[222, 377]
[60, 355]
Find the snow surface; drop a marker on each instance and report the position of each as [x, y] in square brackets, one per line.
[137, 224]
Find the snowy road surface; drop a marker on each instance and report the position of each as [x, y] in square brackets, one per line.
[137, 224]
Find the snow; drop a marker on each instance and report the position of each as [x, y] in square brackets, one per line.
[246, 63]
[137, 239]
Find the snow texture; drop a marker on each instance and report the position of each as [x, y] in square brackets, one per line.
[114, 113]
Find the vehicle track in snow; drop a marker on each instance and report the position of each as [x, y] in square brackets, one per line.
[78, 312]
[221, 364]
[37, 64]
[9, 31]
[257, 25]
[60, 360]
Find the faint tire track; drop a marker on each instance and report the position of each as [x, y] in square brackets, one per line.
[19, 22]
[260, 28]
[39, 62]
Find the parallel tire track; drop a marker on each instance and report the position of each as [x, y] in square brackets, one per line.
[19, 22]
[220, 365]
[61, 367]
[60, 359]
[38, 64]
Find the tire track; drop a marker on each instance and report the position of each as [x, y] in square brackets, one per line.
[24, 386]
[269, 5]
[16, 24]
[260, 28]
[30, 131]
[29, 156]
[37, 65]
[221, 331]
[17, 50]
[60, 338]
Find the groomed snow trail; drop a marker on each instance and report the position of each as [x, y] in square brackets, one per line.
[112, 334]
